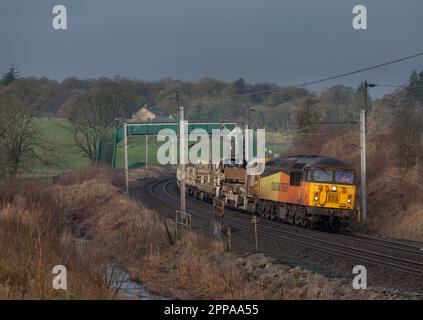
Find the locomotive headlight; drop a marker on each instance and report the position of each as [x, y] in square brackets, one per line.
[349, 200]
[316, 198]
[333, 188]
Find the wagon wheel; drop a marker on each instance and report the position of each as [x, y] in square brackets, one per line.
[326, 224]
[299, 217]
[264, 209]
[268, 210]
[334, 224]
[272, 212]
[260, 209]
[290, 214]
[305, 222]
[309, 224]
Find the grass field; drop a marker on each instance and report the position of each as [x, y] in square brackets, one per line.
[60, 154]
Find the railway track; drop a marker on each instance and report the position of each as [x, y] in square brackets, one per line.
[329, 243]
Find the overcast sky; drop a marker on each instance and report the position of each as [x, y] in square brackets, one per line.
[280, 41]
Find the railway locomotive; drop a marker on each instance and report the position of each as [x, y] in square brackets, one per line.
[309, 191]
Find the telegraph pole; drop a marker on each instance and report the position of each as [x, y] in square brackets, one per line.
[182, 154]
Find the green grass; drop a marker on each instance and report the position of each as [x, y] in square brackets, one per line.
[137, 151]
[59, 152]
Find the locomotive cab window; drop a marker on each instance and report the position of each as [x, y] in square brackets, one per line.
[322, 175]
[330, 176]
[309, 175]
[344, 177]
[295, 179]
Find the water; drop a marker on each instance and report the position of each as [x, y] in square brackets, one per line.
[121, 280]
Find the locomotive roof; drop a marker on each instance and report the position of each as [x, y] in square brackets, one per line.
[312, 161]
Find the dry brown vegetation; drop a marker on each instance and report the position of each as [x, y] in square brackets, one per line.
[86, 222]
[35, 235]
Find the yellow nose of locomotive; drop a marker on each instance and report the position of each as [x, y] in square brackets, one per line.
[332, 196]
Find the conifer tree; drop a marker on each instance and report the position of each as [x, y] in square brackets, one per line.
[11, 75]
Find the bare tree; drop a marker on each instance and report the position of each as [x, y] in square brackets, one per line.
[20, 102]
[337, 97]
[307, 112]
[306, 117]
[407, 134]
[92, 114]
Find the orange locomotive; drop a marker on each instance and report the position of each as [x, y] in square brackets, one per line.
[308, 191]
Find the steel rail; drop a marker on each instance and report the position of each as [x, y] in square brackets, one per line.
[318, 244]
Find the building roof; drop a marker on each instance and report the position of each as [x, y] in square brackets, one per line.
[157, 111]
[153, 112]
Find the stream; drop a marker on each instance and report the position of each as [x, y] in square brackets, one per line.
[121, 280]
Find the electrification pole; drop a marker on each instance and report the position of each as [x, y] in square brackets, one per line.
[246, 159]
[363, 164]
[125, 153]
[363, 132]
[146, 153]
[366, 86]
[182, 155]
